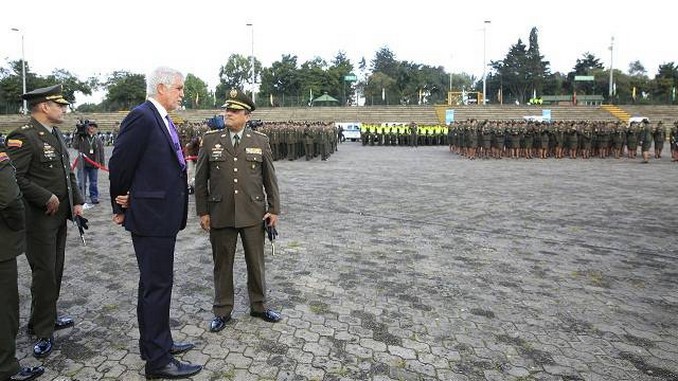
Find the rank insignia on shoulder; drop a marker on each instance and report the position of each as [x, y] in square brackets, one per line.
[26, 127]
[16, 143]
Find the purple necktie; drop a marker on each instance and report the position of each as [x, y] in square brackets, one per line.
[175, 141]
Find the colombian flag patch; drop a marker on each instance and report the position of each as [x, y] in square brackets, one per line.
[3, 157]
[16, 143]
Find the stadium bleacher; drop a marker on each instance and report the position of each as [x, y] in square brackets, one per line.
[380, 114]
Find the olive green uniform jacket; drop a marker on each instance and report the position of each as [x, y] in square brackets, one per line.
[236, 187]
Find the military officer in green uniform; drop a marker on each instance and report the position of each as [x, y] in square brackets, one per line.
[51, 197]
[236, 193]
[12, 236]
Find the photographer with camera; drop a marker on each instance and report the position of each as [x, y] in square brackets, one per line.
[90, 157]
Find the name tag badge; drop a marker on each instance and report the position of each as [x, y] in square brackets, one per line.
[253, 151]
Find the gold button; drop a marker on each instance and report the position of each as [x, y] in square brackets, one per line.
[235, 169]
[235, 180]
[235, 159]
[236, 191]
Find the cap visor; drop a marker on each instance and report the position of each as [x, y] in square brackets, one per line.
[233, 106]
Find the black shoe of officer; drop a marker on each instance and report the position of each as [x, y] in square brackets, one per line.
[181, 347]
[219, 322]
[43, 347]
[174, 369]
[63, 323]
[60, 323]
[268, 315]
[26, 374]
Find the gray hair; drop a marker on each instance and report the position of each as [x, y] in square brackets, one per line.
[162, 75]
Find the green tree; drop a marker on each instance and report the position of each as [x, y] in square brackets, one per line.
[587, 65]
[71, 84]
[378, 89]
[637, 68]
[537, 70]
[384, 62]
[514, 72]
[638, 83]
[124, 91]
[665, 84]
[196, 95]
[281, 80]
[235, 74]
[314, 78]
[341, 67]
[11, 88]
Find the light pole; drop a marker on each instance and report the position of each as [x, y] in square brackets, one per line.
[611, 70]
[24, 110]
[252, 59]
[485, 61]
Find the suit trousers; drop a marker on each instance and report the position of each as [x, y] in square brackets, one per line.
[223, 253]
[155, 258]
[9, 318]
[45, 251]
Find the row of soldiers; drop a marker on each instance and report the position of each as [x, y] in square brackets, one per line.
[288, 140]
[525, 139]
[403, 135]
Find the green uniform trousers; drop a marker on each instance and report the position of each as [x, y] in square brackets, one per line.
[223, 253]
[9, 318]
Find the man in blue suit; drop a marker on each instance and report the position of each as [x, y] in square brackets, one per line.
[149, 197]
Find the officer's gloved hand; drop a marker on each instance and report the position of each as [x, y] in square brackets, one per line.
[271, 232]
[82, 222]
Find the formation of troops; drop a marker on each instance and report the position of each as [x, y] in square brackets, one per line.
[560, 139]
[530, 139]
[471, 138]
[288, 140]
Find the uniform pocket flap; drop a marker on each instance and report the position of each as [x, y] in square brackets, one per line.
[255, 157]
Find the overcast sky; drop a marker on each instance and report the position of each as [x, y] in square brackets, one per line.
[95, 38]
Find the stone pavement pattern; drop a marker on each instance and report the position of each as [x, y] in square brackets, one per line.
[396, 263]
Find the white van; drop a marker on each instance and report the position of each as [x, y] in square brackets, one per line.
[638, 119]
[351, 130]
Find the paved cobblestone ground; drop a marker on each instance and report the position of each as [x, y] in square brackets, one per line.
[409, 264]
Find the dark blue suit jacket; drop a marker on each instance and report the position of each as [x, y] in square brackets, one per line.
[145, 163]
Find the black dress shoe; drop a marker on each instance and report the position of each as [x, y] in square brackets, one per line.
[176, 349]
[181, 348]
[268, 315]
[174, 369]
[43, 347]
[26, 374]
[219, 322]
[63, 322]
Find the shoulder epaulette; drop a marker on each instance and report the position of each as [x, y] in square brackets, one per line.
[211, 132]
[26, 127]
[259, 133]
